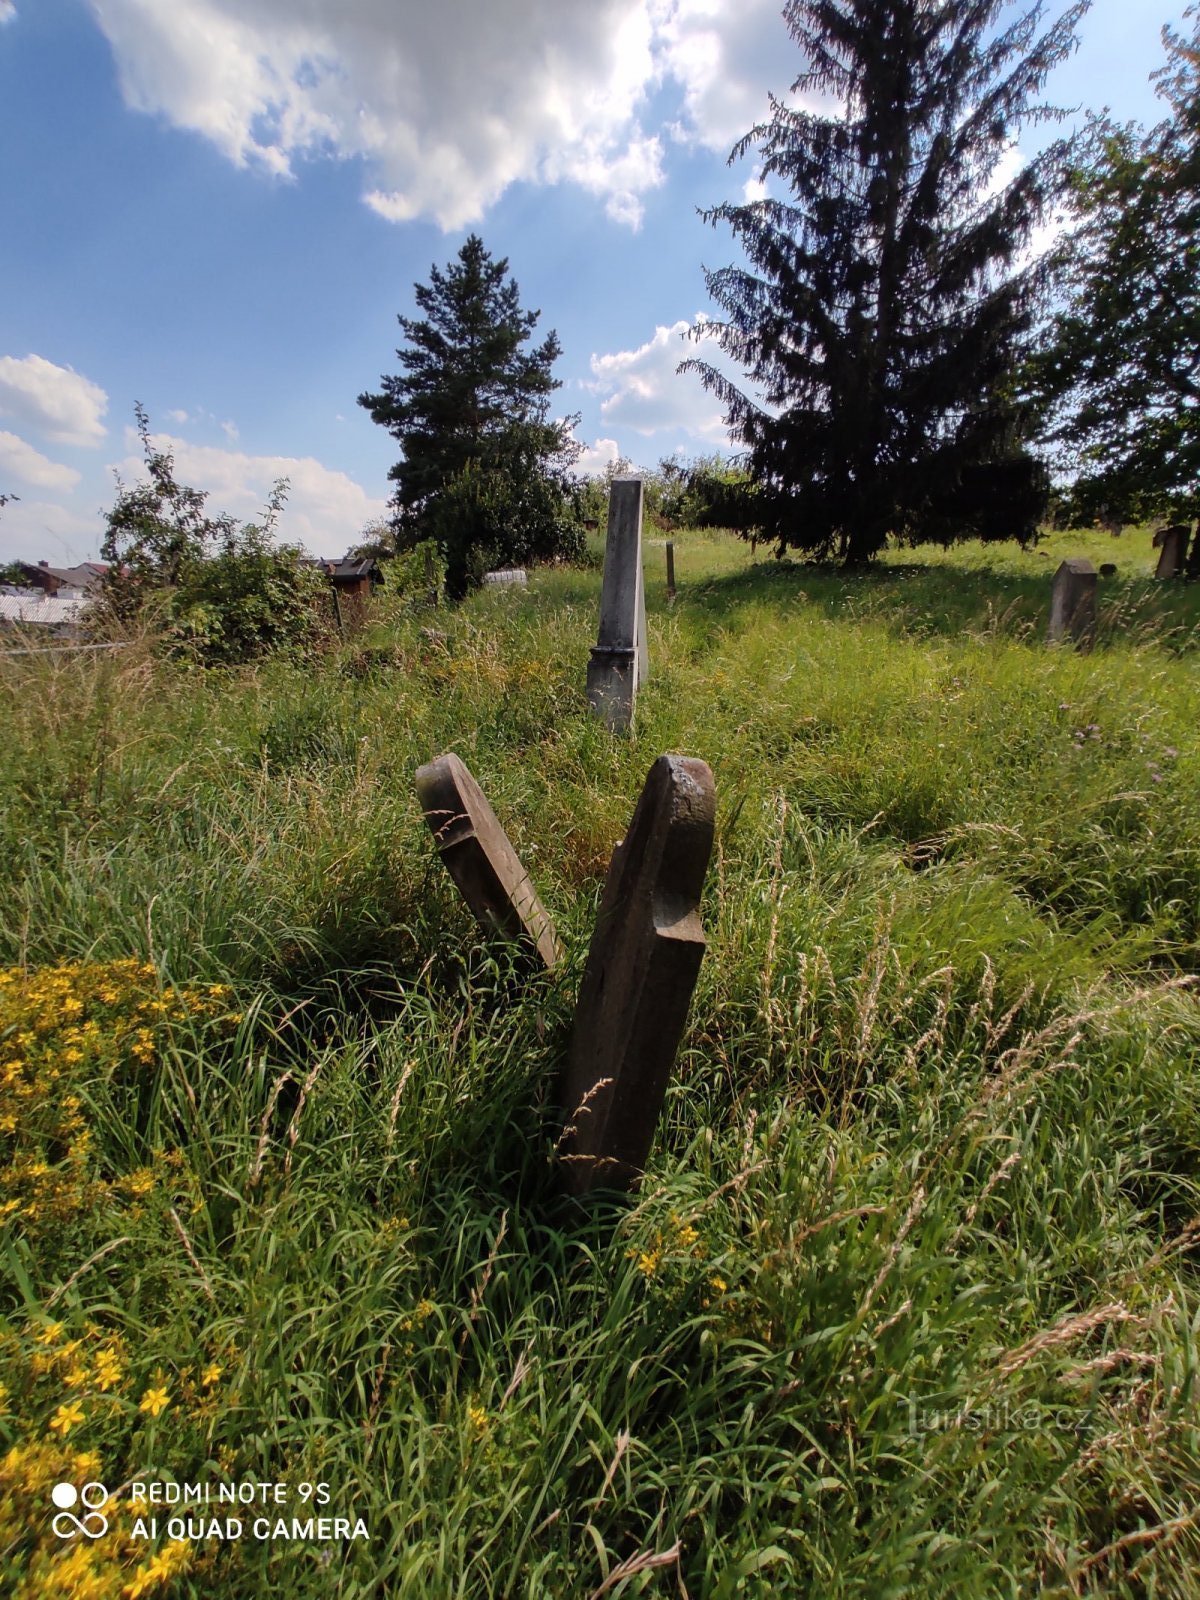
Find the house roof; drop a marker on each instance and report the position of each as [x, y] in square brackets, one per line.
[46, 611]
[86, 576]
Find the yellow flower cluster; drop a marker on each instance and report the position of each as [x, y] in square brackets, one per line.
[34, 1562]
[62, 1029]
[678, 1238]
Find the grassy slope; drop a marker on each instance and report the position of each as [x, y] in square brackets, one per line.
[907, 1302]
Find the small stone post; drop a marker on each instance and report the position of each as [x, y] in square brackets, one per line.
[670, 570]
[431, 583]
[1171, 544]
[619, 658]
[1073, 602]
[641, 969]
[480, 859]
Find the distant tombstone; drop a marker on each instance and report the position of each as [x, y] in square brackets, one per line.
[637, 985]
[480, 859]
[1171, 544]
[507, 575]
[619, 661]
[1108, 569]
[1073, 602]
[670, 570]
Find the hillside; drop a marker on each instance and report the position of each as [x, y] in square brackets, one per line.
[908, 1301]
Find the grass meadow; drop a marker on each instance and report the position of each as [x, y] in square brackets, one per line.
[908, 1302]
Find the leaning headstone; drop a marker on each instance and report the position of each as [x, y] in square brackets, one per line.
[641, 970]
[618, 661]
[1108, 569]
[480, 859]
[1171, 544]
[507, 575]
[1073, 602]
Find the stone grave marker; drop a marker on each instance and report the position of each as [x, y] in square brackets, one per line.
[1171, 544]
[619, 663]
[641, 970]
[1108, 569]
[480, 859]
[670, 570]
[507, 575]
[1073, 602]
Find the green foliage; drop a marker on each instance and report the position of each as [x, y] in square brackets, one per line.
[470, 410]
[880, 316]
[1119, 379]
[225, 592]
[249, 599]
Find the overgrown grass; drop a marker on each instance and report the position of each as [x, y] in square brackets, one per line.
[908, 1301]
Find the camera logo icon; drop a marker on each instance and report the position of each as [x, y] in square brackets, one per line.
[92, 1497]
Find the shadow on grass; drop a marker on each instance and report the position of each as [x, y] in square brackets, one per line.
[923, 599]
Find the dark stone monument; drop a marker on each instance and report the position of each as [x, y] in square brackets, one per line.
[618, 662]
[480, 859]
[1108, 569]
[670, 570]
[1171, 544]
[1073, 602]
[641, 970]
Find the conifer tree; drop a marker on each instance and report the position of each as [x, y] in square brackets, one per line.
[484, 468]
[1119, 375]
[881, 312]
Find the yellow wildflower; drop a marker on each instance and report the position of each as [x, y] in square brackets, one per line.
[66, 1417]
[210, 1374]
[154, 1401]
[50, 1333]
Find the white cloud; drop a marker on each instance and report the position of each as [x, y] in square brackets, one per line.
[55, 402]
[178, 416]
[643, 391]
[728, 59]
[448, 104]
[595, 457]
[230, 430]
[20, 460]
[325, 509]
[42, 530]
[8, 10]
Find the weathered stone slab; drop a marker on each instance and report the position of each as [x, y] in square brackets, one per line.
[480, 859]
[1171, 544]
[1073, 602]
[507, 575]
[619, 660]
[641, 970]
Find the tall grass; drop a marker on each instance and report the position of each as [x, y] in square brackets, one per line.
[908, 1300]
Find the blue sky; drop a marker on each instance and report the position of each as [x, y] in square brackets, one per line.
[218, 208]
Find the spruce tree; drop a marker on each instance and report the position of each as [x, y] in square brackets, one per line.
[881, 312]
[484, 468]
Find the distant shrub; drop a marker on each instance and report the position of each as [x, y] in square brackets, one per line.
[225, 591]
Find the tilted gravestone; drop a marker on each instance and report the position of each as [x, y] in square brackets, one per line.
[480, 859]
[619, 662]
[641, 970]
[1171, 544]
[1073, 602]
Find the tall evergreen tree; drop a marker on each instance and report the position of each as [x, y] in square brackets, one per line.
[881, 312]
[484, 467]
[1120, 371]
